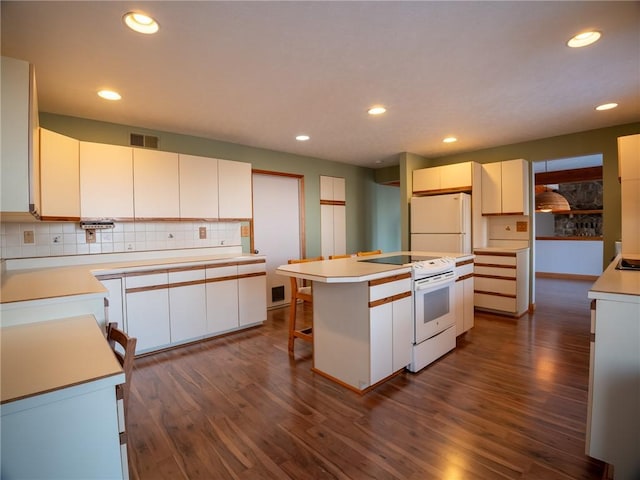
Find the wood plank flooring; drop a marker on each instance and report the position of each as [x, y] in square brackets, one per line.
[508, 402]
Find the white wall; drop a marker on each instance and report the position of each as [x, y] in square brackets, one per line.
[580, 257]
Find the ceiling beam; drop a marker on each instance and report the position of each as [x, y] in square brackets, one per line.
[569, 176]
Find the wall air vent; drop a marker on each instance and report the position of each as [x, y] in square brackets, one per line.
[146, 141]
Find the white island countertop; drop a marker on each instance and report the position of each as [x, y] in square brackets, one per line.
[354, 269]
[619, 285]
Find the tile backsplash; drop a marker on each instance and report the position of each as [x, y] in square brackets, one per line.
[67, 238]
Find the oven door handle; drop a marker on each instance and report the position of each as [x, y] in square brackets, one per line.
[429, 286]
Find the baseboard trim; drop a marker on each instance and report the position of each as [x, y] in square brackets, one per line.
[566, 276]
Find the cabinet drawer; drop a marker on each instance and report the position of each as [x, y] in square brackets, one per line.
[187, 275]
[497, 285]
[495, 259]
[222, 272]
[506, 271]
[389, 289]
[494, 302]
[138, 280]
[245, 268]
[464, 270]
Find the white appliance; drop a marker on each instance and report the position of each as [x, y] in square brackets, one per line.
[441, 223]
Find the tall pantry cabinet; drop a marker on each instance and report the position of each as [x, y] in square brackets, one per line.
[333, 220]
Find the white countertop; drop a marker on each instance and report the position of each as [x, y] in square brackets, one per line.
[62, 281]
[619, 285]
[47, 356]
[349, 270]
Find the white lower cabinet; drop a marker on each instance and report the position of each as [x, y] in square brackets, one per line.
[464, 297]
[222, 298]
[252, 288]
[147, 298]
[115, 308]
[187, 304]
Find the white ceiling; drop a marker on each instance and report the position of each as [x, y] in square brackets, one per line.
[259, 73]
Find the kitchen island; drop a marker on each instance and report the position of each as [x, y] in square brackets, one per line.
[613, 418]
[362, 317]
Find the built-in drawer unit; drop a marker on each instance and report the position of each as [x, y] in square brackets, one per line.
[501, 281]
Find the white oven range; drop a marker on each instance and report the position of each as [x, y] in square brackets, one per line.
[434, 319]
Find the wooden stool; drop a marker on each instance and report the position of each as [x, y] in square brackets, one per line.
[299, 292]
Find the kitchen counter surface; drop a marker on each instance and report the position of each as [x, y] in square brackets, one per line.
[29, 284]
[350, 270]
[47, 356]
[620, 285]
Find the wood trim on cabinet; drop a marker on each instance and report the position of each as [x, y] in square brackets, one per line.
[440, 191]
[251, 262]
[496, 265]
[48, 218]
[186, 269]
[333, 202]
[466, 277]
[221, 279]
[187, 283]
[495, 294]
[146, 289]
[393, 278]
[254, 274]
[502, 214]
[146, 272]
[495, 254]
[110, 276]
[157, 219]
[392, 298]
[464, 262]
[495, 277]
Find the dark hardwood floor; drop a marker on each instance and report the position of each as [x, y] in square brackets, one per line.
[508, 402]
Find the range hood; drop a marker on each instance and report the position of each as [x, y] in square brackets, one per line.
[97, 225]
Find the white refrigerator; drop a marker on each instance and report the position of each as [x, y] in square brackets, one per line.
[441, 223]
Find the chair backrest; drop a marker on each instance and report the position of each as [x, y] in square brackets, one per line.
[295, 283]
[364, 254]
[335, 257]
[124, 348]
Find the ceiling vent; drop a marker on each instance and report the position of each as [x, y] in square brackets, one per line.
[146, 141]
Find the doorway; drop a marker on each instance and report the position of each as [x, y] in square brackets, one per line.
[278, 201]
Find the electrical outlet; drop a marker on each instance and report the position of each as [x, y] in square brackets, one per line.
[28, 236]
[521, 226]
[90, 236]
[202, 231]
[244, 231]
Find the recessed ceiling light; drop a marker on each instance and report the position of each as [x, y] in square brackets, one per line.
[303, 138]
[109, 95]
[449, 139]
[377, 110]
[606, 106]
[583, 39]
[141, 23]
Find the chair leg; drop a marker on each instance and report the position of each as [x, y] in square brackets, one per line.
[292, 324]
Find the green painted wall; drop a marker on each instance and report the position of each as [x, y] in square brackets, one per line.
[602, 141]
[359, 180]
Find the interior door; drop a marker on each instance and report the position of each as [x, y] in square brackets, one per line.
[277, 228]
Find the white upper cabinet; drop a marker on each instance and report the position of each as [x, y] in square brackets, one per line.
[505, 188]
[198, 187]
[333, 189]
[333, 210]
[629, 157]
[59, 176]
[156, 190]
[234, 190]
[106, 181]
[19, 189]
[456, 177]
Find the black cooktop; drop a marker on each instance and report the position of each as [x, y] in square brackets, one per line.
[398, 259]
[628, 264]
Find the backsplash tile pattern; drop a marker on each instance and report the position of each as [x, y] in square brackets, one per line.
[67, 238]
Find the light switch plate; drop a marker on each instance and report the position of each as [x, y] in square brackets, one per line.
[90, 236]
[28, 236]
[202, 232]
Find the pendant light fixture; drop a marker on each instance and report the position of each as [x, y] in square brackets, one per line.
[549, 200]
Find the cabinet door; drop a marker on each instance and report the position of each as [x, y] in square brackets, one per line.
[147, 299]
[455, 176]
[339, 230]
[339, 189]
[252, 294]
[491, 188]
[155, 184]
[402, 332]
[222, 299]
[467, 306]
[59, 176]
[327, 231]
[515, 187]
[459, 307]
[326, 188]
[381, 344]
[234, 189]
[106, 181]
[187, 305]
[426, 179]
[629, 157]
[116, 310]
[198, 187]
